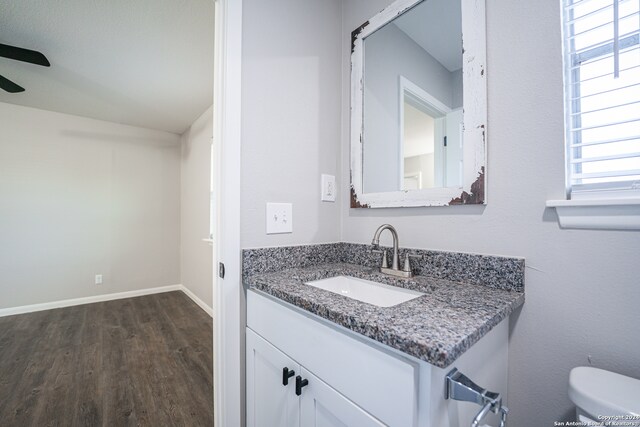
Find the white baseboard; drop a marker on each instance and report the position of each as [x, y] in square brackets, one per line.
[100, 298]
[197, 300]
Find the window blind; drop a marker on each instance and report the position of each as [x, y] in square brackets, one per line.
[602, 96]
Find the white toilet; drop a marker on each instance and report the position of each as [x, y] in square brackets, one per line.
[601, 395]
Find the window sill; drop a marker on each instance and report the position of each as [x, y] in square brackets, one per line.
[598, 214]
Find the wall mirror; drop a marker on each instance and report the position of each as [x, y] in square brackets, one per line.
[418, 105]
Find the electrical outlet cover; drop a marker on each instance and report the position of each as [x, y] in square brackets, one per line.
[328, 188]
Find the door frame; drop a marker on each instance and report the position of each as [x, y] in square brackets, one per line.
[228, 334]
[428, 104]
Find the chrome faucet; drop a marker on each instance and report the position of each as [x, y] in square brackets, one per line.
[395, 263]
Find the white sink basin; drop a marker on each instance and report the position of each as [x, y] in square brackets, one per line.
[366, 291]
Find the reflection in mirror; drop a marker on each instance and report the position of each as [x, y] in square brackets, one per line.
[412, 130]
[430, 139]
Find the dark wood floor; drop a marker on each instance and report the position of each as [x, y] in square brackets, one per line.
[143, 361]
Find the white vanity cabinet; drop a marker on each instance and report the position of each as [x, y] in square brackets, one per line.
[322, 406]
[271, 402]
[350, 379]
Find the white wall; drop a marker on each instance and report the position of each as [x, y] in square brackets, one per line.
[389, 54]
[80, 197]
[423, 163]
[291, 62]
[196, 256]
[419, 132]
[582, 287]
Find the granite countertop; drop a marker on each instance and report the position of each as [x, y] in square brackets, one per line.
[437, 327]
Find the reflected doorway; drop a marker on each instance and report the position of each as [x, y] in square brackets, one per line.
[430, 140]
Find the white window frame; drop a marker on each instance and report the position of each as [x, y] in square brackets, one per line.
[614, 205]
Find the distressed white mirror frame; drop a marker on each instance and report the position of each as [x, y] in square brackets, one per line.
[474, 110]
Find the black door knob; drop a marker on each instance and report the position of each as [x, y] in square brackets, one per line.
[299, 384]
[286, 374]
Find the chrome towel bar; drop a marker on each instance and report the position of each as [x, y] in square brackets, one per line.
[459, 387]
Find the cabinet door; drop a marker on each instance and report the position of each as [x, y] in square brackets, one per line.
[322, 406]
[269, 402]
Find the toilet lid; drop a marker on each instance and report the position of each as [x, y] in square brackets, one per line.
[601, 392]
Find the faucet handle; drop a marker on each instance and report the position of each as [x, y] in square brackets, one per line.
[385, 262]
[407, 263]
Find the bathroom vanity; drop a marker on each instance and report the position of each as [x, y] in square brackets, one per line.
[319, 358]
[336, 334]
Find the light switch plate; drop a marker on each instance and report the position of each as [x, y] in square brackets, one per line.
[328, 188]
[279, 218]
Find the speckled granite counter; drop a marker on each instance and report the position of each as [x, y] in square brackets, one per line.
[437, 327]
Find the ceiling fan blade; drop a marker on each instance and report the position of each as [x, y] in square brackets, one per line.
[25, 55]
[10, 86]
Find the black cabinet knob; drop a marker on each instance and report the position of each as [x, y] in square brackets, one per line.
[286, 374]
[299, 384]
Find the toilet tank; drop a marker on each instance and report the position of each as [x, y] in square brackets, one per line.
[601, 395]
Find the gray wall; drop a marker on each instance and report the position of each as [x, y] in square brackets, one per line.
[582, 287]
[456, 87]
[80, 197]
[291, 71]
[196, 256]
[389, 54]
